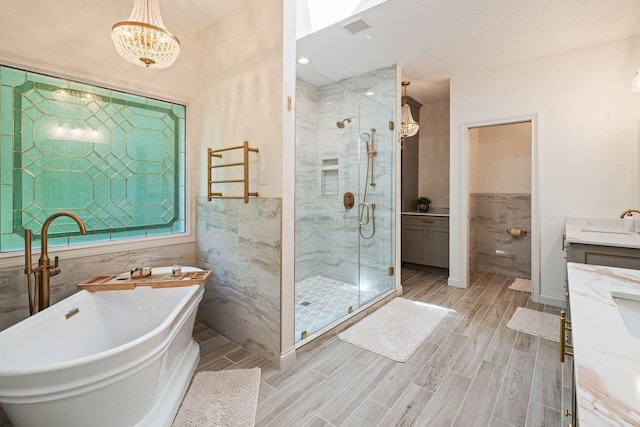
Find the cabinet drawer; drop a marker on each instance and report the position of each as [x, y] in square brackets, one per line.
[604, 255]
[435, 221]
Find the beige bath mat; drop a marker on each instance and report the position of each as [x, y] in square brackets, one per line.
[522, 285]
[222, 398]
[536, 323]
[397, 329]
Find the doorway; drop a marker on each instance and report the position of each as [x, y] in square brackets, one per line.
[501, 201]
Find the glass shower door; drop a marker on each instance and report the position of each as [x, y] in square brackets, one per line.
[376, 213]
[343, 238]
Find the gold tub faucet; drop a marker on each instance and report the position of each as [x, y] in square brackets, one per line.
[628, 212]
[44, 270]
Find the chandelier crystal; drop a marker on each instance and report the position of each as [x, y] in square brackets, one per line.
[143, 39]
[408, 126]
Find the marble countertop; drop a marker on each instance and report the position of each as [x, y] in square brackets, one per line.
[606, 357]
[432, 212]
[604, 232]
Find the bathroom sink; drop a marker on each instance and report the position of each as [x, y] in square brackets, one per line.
[628, 306]
[606, 231]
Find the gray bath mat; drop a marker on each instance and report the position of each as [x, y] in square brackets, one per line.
[536, 323]
[397, 329]
[222, 398]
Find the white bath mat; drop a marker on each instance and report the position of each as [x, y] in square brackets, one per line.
[222, 398]
[536, 323]
[522, 285]
[397, 329]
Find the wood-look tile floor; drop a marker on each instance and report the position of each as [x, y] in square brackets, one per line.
[471, 371]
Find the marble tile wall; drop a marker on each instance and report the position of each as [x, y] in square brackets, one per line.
[491, 248]
[241, 244]
[327, 235]
[13, 283]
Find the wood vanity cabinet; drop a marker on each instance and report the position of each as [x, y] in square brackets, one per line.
[610, 256]
[425, 240]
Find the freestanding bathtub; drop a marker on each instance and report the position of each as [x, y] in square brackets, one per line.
[125, 359]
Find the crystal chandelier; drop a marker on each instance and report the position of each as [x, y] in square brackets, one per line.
[143, 39]
[408, 126]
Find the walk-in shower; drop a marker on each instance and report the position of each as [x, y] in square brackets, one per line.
[345, 151]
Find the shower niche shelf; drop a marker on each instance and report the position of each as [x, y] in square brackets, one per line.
[216, 154]
[329, 177]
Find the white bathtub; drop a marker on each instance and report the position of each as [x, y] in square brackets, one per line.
[125, 359]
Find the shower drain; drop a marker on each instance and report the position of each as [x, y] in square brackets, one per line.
[306, 303]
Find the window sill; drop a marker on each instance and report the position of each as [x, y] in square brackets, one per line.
[14, 259]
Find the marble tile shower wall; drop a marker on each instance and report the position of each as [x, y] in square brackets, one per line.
[492, 249]
[241, 244]
[13, 282]
[327, 238]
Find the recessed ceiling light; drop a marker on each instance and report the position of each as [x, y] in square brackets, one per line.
[369, 93]
[303, 60]
[368, 36]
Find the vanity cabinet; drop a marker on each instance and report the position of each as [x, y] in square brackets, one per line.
[425, 240]
[610, 256]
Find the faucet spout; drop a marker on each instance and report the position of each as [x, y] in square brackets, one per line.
[47, 223]
[628, 212]
[45, 270]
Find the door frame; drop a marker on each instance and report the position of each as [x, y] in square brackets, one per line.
[535, 198]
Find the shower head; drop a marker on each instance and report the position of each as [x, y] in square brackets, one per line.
[365, 137]
[340, 123]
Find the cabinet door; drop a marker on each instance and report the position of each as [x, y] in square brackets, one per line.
[439, 247]
[413, 247]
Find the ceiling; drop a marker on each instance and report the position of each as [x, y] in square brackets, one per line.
[433, 40]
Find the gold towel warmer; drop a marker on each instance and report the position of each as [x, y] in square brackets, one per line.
[215, 153]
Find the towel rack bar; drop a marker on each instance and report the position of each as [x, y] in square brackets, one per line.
[245, 163]
[232, 148]
[226, 180]
[227, 164]
[233, 197]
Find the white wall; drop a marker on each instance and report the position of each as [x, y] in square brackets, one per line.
[587, 129]
[241, 91]
[500, 159]
[433, 167]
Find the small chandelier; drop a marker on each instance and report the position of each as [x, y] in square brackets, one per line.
[408, 126]
[143, 39]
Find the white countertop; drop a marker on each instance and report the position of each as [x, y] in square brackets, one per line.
[603, 232]
[432, 212]
[606, 357]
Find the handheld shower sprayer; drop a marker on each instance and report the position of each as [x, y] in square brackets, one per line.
[340, 123]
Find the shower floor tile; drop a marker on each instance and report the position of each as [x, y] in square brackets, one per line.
[321, 301]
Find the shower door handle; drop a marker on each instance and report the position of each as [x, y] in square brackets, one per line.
[362, 206]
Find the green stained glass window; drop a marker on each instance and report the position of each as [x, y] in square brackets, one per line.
[112, 158]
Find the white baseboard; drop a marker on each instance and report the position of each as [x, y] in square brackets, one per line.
[287, 359]
[452, 281]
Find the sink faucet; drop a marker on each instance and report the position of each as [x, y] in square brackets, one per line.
[44, 270]
[628, 212]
